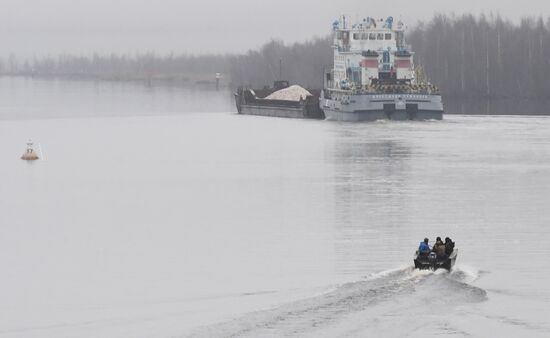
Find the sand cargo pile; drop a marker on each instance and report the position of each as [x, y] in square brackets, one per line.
[292, 93]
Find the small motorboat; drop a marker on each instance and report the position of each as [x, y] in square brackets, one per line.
[431, 261]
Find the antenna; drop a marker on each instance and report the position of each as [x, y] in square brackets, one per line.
[272, 72]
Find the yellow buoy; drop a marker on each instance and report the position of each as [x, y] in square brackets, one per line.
[30, 154]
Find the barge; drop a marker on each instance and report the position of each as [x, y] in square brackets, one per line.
[281, 100]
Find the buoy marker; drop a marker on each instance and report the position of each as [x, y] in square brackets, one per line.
[30, 154]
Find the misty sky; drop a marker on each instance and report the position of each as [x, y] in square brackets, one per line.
[38, 27]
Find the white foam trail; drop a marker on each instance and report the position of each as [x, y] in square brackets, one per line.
[386, 273]
[405, 286]
[441, 272]
[421, 273]
[466, 273]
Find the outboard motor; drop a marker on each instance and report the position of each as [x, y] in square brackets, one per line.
[432, 258]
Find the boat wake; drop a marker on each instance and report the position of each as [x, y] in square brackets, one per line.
[370, 305]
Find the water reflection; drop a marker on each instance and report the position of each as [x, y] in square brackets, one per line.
[26, 98]
[371, 171]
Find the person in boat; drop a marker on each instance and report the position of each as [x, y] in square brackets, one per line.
[449, 246]
[424, 247]
[439, 247]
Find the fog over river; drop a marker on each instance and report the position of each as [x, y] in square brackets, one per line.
[160, 212]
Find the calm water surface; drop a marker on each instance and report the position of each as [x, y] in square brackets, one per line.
[159, 212]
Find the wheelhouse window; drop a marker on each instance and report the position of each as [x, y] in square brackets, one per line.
[380, 36]
[372, 36]
[356, 36]
[388, 36]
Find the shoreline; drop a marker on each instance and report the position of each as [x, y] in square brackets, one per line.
[453, 105]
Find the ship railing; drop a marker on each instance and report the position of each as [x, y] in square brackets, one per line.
[389, 89]
[343, 91]
[402, 89]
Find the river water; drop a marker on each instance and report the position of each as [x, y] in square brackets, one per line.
[159, 212]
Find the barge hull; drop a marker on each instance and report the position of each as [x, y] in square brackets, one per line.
[303, 109]
[285, 112]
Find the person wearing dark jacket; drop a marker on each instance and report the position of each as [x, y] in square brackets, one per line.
[449, 246]
[439, 247]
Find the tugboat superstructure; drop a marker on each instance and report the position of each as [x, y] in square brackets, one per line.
[374, 76]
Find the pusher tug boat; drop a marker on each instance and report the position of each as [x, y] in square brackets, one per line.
[374, 76]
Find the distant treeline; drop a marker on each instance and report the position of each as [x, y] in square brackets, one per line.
[301, 63]
[144, 66]
[485, 57]
[466, 56]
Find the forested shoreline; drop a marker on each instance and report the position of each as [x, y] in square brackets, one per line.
[466, 56]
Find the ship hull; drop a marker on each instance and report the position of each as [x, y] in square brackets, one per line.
[376, 115]
[373, 107]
